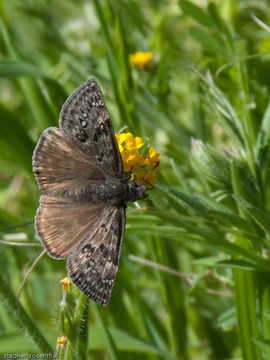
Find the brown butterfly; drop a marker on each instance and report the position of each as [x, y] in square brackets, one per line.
[82, 215]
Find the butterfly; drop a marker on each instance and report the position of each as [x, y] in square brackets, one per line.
[82, 215]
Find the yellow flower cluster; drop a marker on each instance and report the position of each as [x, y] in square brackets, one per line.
[141, 58]
[61, 341]
[133, 161]
[65, 282]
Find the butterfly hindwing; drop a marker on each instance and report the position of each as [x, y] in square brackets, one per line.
[94, 263]
[62, 224]
[86, 123]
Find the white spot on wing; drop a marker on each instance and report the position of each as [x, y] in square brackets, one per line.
[100, 119]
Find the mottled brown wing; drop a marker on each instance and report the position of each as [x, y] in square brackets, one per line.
[62, 224]
[93, 265]
[86, 123]
[61, 167]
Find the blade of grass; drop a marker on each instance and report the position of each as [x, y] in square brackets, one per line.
[111, 347]
[18, 314]
[245, 290]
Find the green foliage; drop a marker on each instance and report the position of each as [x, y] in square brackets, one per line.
[193, 281]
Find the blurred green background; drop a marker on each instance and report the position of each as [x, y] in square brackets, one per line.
[193, 281]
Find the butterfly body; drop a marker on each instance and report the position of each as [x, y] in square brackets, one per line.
[115, 192]
[79, 168]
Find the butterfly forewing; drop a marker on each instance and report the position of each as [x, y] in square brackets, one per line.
[61, 167]
[94, 263]
[86, 123]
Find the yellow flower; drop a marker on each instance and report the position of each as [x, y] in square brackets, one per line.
[141, 166]
[127, 140]
[61, 341]
[149, 177]
[128, 147]
[141, 58]
[65, 282]
[152, 160]
[132, 158]
[153, 157]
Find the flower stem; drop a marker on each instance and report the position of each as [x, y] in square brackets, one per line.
[78, 338]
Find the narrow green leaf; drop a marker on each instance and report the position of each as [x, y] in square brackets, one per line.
[245, 298]
[247, 187]
[226, 116]
[109, 340]
[227, 320]
[245, 284]
[206, 261]
[197, 234]
[18, 314]
[160, 344]
[17, 342]
[221, 25]
[212, 204]
[10, 68]
[263, 344]
[208, 42]
[16, 146]
[264, 136]
[239, 264]
[232, 220]
[183, 201]
[123, 341]
[213, 165]
[261, 217]
[195, 12]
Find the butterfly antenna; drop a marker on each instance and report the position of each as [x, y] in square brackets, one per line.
[122, 129]
[147, 175]
[28, 272]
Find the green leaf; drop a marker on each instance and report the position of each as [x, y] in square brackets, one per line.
[207, 161]
[262, 146]
[208, 42]
[227, 320]
[17, 342]
[212, 204]
[195, 12]
[220, 108]
[221, 25]
[108, 338]
[206, 261]
[183, 202]
[122, 340]
[245, 184]
[11, 68]
[263, 344]
[261, 217]
[232, 220]
[238, 264]
[16, 146]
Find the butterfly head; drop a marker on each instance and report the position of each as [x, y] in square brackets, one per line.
[135, 191]
[140, 190]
